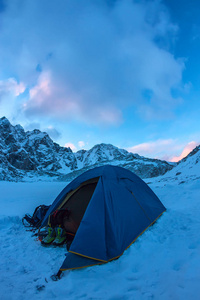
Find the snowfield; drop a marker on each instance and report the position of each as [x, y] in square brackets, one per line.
[163, 263]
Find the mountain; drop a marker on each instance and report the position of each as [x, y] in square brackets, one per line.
[108, 154]
[186, 170]
[33, 154]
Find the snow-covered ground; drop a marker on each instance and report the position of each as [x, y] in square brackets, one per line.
[164, 262]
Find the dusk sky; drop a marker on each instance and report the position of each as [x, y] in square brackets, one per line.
[104, 71]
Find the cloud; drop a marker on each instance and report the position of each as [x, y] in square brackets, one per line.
[47, 97]
[70, 145]
[50, 97]
[52, 132]
[10, 97]
[32, 126]
[81, 144]
[11, 87]
[95, 59]
[187, 149]
[153, 147]
[159, 148]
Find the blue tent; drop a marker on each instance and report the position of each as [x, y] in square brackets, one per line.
[111, 208]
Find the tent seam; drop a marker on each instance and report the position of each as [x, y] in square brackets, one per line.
[88, 256]
[141, 207]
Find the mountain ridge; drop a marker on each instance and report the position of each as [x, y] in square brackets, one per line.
[33, 154]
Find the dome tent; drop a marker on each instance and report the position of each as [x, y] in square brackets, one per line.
[110, 207]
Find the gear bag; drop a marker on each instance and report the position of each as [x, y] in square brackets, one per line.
[37, 217]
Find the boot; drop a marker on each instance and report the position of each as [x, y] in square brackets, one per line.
[61, 236]
[50, 236]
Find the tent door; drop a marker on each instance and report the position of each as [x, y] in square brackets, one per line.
[77, 203]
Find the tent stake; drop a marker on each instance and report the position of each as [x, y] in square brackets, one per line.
[57, 276]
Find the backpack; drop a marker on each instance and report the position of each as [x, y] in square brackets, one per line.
[37, 217]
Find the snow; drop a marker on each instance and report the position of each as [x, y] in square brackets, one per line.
[162, 264]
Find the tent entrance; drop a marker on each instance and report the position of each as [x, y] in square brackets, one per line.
[77, 201]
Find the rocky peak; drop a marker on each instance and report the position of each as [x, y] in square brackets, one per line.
[11, 132]
[4, 120]
[5, 127]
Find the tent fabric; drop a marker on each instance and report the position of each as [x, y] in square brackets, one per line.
[121, 207]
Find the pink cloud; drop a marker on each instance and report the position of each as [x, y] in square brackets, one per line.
[163, 149]
[187, 149]
[11, 86]
[70, 145]
[151, 147]
[43, 88]
[50, 97]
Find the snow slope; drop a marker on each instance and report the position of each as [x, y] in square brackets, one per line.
[187, 169]
[162, 264]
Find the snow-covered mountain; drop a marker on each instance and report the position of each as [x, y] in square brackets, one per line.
[25, 155]
[186, 170]
[30, 153]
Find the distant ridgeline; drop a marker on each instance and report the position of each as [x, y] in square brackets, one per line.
[32, 155]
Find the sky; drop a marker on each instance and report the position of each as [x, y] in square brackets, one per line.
[104, 71]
